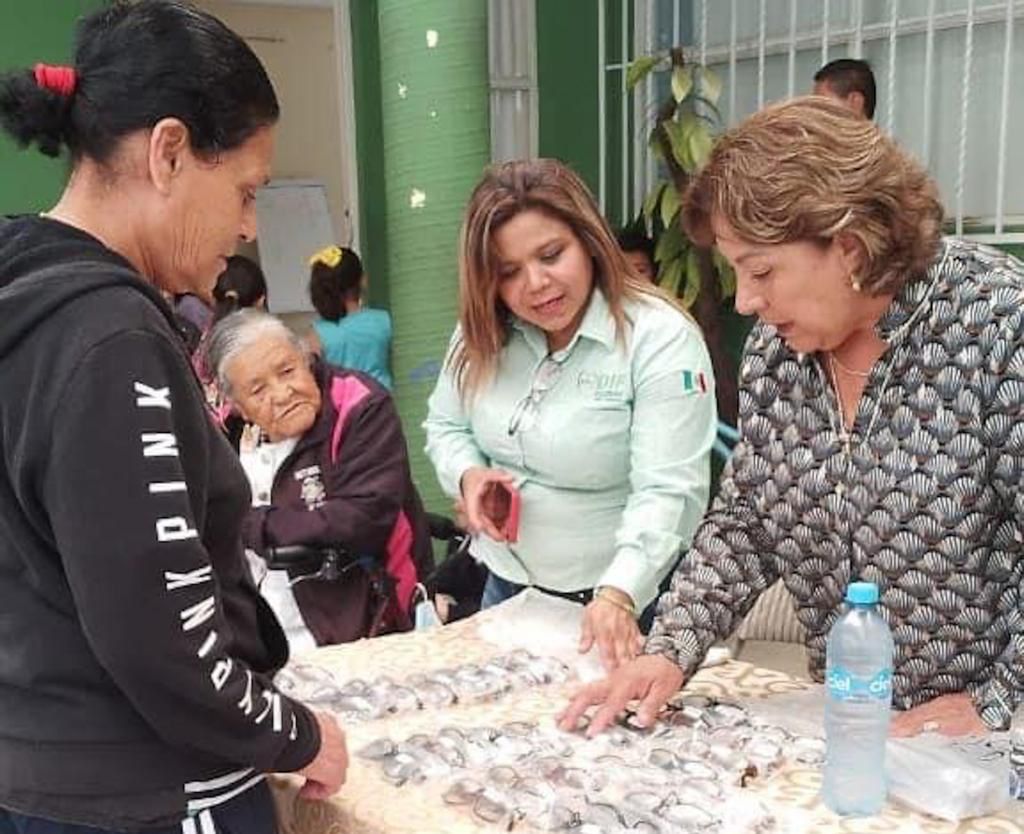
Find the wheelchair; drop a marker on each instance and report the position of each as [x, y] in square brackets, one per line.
[458, 575]
[357, 589]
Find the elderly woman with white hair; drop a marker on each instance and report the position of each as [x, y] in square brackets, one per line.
[329, 468]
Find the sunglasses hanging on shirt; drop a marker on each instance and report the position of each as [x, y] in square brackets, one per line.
[524, 416]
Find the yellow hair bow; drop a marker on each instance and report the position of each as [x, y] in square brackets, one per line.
[329, 256]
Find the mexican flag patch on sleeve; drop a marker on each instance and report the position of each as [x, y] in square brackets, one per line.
[695, 382]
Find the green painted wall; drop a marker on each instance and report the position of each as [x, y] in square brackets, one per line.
[567, 84]
[614, 93]
[369, 147]
[33, 31]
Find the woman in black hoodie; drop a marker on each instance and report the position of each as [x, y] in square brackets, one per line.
[136, 656]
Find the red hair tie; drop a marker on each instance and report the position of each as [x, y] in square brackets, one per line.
[59, 80]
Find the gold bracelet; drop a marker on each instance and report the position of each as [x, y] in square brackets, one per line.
[604, 595]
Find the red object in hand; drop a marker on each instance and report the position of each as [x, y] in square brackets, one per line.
[512, 520]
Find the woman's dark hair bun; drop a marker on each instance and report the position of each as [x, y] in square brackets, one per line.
[32, 114]
[330, 286]
[136, 63]
[241, 284]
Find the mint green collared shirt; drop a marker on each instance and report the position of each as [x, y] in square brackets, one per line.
[613, 466]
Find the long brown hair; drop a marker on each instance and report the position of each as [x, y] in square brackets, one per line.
[551, 187]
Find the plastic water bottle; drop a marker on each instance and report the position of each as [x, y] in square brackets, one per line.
[858, 701]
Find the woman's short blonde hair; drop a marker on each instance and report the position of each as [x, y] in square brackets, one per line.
[807, 170]
[551, 187]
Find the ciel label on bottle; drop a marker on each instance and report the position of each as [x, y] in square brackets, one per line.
[845, 686]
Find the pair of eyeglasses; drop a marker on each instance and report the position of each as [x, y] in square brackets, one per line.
[487, 804]
[524, 416]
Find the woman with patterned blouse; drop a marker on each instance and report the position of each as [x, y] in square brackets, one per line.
[880, 409]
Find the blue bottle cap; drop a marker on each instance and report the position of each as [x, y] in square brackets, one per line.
[862, 593]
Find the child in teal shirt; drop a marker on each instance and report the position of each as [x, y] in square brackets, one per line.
[347, 334]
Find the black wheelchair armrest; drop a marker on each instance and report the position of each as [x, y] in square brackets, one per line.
[327, 563]
[293, 556]
[443, 528]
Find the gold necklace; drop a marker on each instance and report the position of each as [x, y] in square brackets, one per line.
[845, 435]
[836, 362]
[842, 431]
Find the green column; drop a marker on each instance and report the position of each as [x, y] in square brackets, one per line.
[434, 92]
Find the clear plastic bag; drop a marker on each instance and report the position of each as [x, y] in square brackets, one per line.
[953, 779]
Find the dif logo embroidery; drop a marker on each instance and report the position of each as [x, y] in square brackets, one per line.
[603, 387]
[844, 686]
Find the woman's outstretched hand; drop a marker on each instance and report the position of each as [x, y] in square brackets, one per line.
[649, 679]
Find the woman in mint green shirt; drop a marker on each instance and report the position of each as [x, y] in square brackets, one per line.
[577, 386]
[348, 334]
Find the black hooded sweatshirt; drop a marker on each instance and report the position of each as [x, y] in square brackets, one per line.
[135, 652]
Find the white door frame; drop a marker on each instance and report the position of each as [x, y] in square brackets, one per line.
[347, 110]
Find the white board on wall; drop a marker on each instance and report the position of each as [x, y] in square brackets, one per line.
[293, 223]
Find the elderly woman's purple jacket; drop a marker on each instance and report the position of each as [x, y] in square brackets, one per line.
[347, 484]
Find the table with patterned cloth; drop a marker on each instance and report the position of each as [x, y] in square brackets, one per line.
[367, 804]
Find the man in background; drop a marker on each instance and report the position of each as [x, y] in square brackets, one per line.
[849, 81]
[638, 249]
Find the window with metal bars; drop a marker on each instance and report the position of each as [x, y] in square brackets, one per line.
[945, 71]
